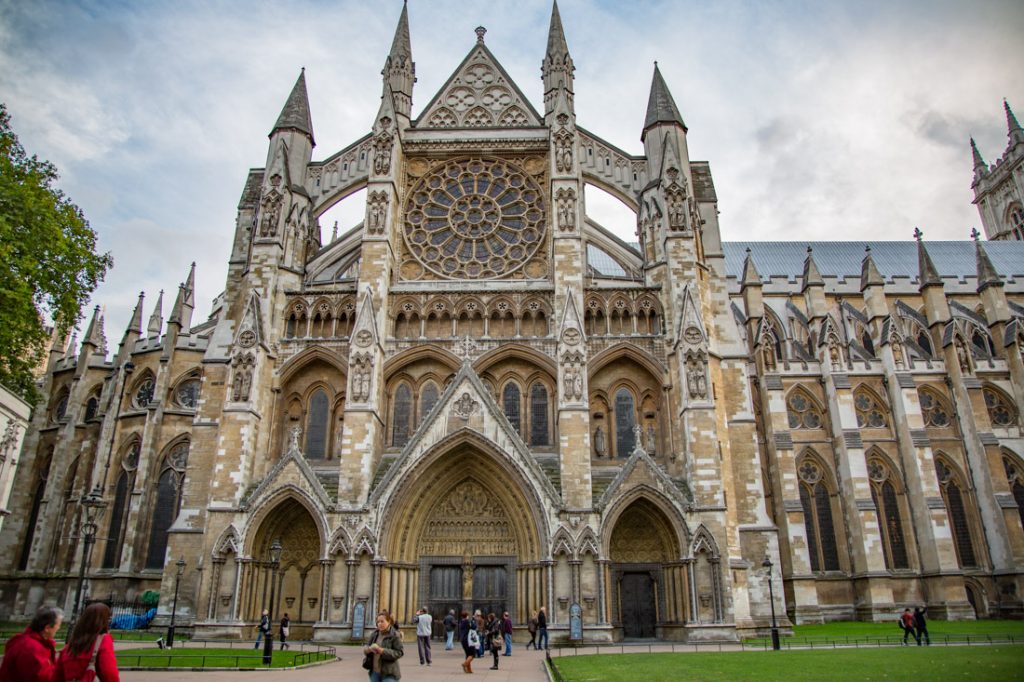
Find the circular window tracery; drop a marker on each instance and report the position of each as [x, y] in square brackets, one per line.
[477, 218]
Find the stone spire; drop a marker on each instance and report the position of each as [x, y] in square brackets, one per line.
[980, 167]
[188, 304]
[399, 70]
[1013, 126]
[557, 68]
[94, 333]
[135, 324]
[869, 274]
[661, 108]
[927, 274]
[812, 276]
[178, 307]
[987, 275]
[751, 277]
[295, 114]
[156, 320]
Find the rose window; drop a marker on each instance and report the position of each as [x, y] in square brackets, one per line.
[475, 219]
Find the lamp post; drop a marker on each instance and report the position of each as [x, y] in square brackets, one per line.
[180, 564]
[268, 641]
[767, 563]
[91, 504]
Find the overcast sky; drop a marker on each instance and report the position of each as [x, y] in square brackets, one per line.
[821, 120]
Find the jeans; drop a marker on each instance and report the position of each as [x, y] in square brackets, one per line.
[259, 638]
[508, 643]
[542, 641]
[378, 677]
[450, 644]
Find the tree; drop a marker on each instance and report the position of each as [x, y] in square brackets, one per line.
[48, 261]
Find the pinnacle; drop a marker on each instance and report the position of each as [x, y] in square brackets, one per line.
[661, 108]
[987, 275]
[869, 274]
[1012, 124]
[557, 47]
[927, 274]
[401, 45]
[751, 277]
[812, 275]
[979, 162]
[295, 114]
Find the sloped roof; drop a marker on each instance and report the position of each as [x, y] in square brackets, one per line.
[842, 260]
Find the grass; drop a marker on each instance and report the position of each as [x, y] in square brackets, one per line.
[937, 629]
[912, 663]
[212, 658]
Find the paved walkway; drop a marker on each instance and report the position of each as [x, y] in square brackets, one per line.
[522, 666]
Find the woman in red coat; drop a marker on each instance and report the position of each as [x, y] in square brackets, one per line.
[89, 636]
[29, 656]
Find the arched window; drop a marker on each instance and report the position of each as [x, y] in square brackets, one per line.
[952, 495]
[1000, 411]
[625, 421]
[981, 342]
[143, 393]
[428, 398]
[802, 411]
[1016, 220]
[33, 515]
[186, 394]
[112, 552]
[60, 408]
[1015, 477]
[401, 416]
[167, 503]
[510, 403]
[817, 506]
[539, 415]
[933, 409]
[870, 414]
[316, 426]
[883, 494]
[92, 406]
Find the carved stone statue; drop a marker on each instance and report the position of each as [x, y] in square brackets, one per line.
[563, 151]
[962, 355]
[638, 436]
[676, 205]
[897, 353]
[768, 353]
[241, 382]
[696, 377]
[652, 439]
[362, 376]
[833, 355]
[599, 444]
[566, 210]
[382, 154]
[377, 213]
[271, 215]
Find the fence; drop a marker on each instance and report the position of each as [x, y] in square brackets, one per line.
[183, 657]
[128, 614]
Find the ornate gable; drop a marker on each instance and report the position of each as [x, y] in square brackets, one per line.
[479, 94]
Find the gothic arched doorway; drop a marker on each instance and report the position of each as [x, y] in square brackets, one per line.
[646, 577]
[297, 591]
[463, 535]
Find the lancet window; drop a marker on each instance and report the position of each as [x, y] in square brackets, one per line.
[37, 500]
[119, 508]
[625, 423]
[890, 522]
[1015, 477]
[510, 402]
[539, 434]
[167, 502]
[818, 518]
[317, 425]
[953, 496]
[401, 416]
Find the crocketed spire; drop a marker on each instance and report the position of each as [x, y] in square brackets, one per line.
[295, 114]
[661, 108]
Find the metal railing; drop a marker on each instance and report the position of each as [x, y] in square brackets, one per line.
[182, 657]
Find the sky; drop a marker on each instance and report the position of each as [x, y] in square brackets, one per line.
[821, 120]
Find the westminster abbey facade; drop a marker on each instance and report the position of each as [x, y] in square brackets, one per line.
[478, 397]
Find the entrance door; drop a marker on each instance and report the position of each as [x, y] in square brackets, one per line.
[445, 595]
[636, 591]
[490, 589]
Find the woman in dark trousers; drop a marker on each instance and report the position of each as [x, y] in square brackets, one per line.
[467, 648]
[532, 627]
[494, 639]
[285, 631]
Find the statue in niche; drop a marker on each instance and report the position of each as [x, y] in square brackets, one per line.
[768, 353]
[962, 356]
[377, 212]
[897, 352]
[638, 437]
[652, 439]
[382, 154]
[833, 355]
[271, 216]
[676, 206]
[362, 368]
[566, 210]
[241, 383]
[696, 377]
[563, 152]
[599, 443]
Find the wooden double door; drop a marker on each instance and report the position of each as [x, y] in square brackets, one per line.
[448, 591]
[637, 608]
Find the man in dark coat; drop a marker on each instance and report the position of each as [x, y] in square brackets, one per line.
[542, 628]
[31, 656]
[264, 628]
[920, 626]
[506, 633]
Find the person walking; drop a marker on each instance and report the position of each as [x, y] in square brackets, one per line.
[468, 640]
[920, 626]
[90, 647]
[381, 654]
[424, 628]
[31, 655]
[542, 628]
[907, 624]
[481, 631]
[286, 623]
[493, 640]
[264, 628]
[532, 628]
[450, 625]
[506, 633]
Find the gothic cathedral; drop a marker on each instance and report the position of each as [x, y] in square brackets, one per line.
[479, 397]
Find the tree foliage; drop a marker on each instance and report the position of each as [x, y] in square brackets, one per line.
[48, 261]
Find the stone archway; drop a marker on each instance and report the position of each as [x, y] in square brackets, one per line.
[463, 534]
[298, 589]
[648, 581]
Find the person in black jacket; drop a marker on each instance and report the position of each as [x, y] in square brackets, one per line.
[264, 628]
[542, 629]
[494, 640]
[920, 627]
[285, 631]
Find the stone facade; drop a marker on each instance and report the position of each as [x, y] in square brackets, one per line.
[479, 397]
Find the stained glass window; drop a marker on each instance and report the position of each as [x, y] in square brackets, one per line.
[933, 410]
[1015, 477]
[869, 412]
[316, 426]
[953, 496]
[91, 407]
[539, 415]
[165, 510]
[817, 508]
[803, 414]
[62, 407]
[401, 415]
[887, 511]
[144, 392]
[999, 410]
[625, 421]
[112, 552]
[510, 403]
[811, 527]
[187, 394]
[428, 398]
[33, 517]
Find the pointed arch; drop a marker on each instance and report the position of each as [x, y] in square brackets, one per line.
[956, 496]
[818, 492]
[870, 408]
[935, 409]
[588, 543]
[166, 498]
[264, 507]
[887, 496]
[340, 543]
[508, 351]
[300, 360]
[1001, 411]
[228, 542]
[680, 531]
[803, 409]
[562, 543]
[630, 351]
[426, 351]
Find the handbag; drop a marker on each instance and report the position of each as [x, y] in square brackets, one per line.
[473, 639]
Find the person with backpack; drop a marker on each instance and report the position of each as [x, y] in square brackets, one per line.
[906, 623]
[89, 654]
[493, 639]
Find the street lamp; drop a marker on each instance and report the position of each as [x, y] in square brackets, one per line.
[180, 563]
[268, 641]
[91, 504]
[767, 563]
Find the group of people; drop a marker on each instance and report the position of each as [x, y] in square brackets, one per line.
[478, 634]
[914, 625]
[264, 630]
[32, 655]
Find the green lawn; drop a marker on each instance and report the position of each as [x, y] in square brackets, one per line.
[211, 658]
[912, 663]
[937, 629]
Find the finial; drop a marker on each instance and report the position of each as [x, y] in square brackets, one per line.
[918, 233]
[809, 250]
[867, 249]
[748, 250]
[975, 235]
[334, 232]
[480, 31]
